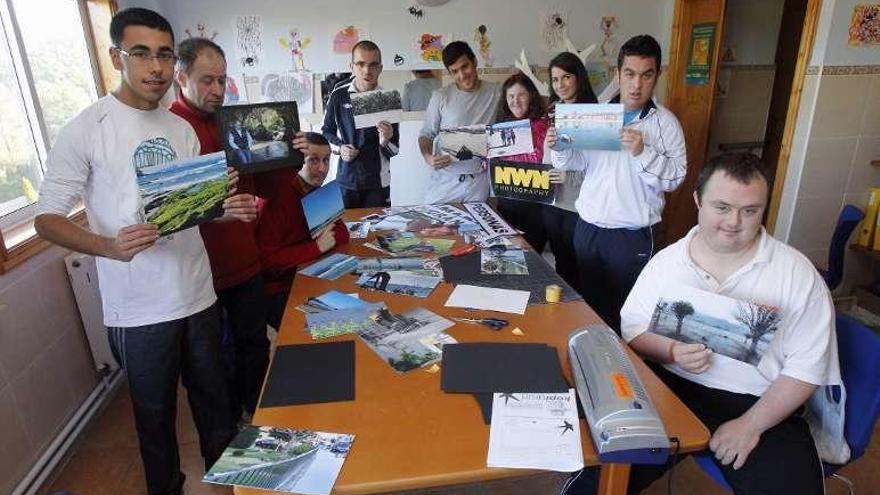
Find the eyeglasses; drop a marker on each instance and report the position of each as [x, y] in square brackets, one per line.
[144, 56]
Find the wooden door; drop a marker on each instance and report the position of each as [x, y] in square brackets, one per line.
[691, 101]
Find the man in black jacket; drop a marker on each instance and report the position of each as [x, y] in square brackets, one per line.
[364, 173]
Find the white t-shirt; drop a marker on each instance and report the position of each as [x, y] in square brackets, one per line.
[96, 157]
[803, 347]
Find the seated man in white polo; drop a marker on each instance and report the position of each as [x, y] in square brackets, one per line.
[747, 384]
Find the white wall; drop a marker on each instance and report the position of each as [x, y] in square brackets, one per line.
[752, 29]
[513, 25]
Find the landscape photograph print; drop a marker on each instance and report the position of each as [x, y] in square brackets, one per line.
[740, 330]
[371, 107]
[282, 459]
[257, 138]
[183, 193]
[588, 126]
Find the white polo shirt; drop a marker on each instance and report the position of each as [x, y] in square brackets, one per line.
[805, 345]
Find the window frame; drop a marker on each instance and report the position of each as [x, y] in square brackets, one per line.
[95, 16]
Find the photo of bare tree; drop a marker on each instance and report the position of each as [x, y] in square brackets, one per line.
[737, 329]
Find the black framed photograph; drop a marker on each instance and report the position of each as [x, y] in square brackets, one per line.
[257, 138]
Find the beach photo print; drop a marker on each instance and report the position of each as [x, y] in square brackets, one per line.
[588, 126]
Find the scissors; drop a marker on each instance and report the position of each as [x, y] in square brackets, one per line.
[493, 323]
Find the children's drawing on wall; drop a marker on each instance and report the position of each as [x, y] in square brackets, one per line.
[431, 47]
[289, 86]
[608, 47]
[233, 95]
[296, 43]
[481, 39]
[865, 26]
[522, 63]
[200, 32]
[554, 28]
[249, 39]
[346, 36]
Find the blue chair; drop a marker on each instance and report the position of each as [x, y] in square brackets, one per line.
[848, 220]
[859, 352]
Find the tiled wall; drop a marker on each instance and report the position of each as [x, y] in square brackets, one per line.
[742, 102]
[837, 136]
[46, 369]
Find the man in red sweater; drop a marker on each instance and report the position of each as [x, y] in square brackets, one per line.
[282, 232]
[232, 249]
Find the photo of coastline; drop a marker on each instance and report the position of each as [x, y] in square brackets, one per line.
[588, 126]
[183, 193]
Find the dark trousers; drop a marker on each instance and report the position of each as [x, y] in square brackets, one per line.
[366, 198]
[526, 217]
[244, 316]
[155, 357]
[784, 461]
[275, 304]
[560, 226]
[609, 261]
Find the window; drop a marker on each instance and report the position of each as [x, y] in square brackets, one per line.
[50, 70]
[46, 78]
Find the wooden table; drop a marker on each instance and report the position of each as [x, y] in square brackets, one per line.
[409, 434]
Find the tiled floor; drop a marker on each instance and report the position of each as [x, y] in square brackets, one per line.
[106, 462]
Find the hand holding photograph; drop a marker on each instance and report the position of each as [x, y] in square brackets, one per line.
[588, 126]
[258, 137]
[183, 193]
[322, 207]
[372, 107]
[510, 138]
[740, 330]
[463, 143]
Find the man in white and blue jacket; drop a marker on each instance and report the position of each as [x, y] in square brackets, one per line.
[621, 197]
[365, 154]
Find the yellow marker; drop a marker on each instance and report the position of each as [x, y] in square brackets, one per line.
[552, 293]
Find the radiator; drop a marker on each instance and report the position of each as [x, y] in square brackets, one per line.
[84, 282]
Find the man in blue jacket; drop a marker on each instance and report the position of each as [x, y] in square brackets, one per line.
[365, 154]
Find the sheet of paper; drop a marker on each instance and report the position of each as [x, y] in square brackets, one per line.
[535, 431]
[504, 300]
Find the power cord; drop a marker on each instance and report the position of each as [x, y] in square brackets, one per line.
[674, 460]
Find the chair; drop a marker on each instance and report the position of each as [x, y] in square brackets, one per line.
[848, 220]
[859, 353]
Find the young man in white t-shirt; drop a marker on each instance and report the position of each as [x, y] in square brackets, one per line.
[157, 295]
[759, 440]
[468, 100]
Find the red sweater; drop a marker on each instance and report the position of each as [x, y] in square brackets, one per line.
[232, 247]
[282, 232]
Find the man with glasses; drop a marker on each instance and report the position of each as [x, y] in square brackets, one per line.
[364, 169]
[158, 300]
